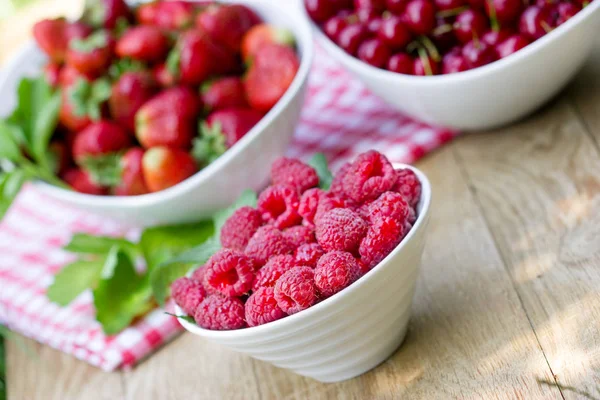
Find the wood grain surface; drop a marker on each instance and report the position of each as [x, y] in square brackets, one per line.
[508, 299]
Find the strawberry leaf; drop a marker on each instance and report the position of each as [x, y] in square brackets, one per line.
[319, 163]
[96, 40]
[94, 13]
[74, 279]
[173, 61]
[210, 145]
[124, 65]
[104, 170]
[87, 98]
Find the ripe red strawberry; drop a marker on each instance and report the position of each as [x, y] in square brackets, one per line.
[106, 13]
[170, 15]
[77, 30]
[67, 116]
[271, 74]
[98, 139]
[233, 123]
[196, 57]
[69, 75]
[53, 36]
[163, 76]
[132, 176]
[164, 167]
[222, 93]
[261, 34]
[144, 42]
[227, 24]
[91, 55]
[52, 74]
[168, 119]
[128, 94]
[81, 182]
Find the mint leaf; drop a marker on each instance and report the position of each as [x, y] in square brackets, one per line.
[319, 163]
[100, 245]
[122, 294]
[183, 317]
[44, 127]
[9, 149]
[10, 185]
[104, 170]
[74, 279]
[247, 198]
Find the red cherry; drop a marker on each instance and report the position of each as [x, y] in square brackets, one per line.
[494, 37]
[448, 4]
[334, 26]
[374, 25]
[374, 52]
[443, 35]
[477, 53]
[351, 37]
[506, 11]
[366, 14]
[419, 17]
[535, 22]
[376, 5]
[477, 4]
[511, 45]
[401, 63]
[454, 62]
[566, 11]
[396, 6]
[470, 24]
[320, 10]
[425, 66]
[394, 33]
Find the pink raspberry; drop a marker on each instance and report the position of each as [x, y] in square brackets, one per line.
[198, 275]
[273, 269]
[370, 175]
[340, 229]
[229, 272]
[188, 294]
[308, 204]
[328, 203]
[295, 290]
[239, 228]
[338, 180]
[220, 313]
[299, 235]
[389, 204]
[267, 242]
[293, 172]
[383, 237]
[336, 271]
[309, 254]
[279, 206]
[408, 185]
[261, 307]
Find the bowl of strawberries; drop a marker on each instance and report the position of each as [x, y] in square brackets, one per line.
[319, 276]
[167, 110]
[463, 64]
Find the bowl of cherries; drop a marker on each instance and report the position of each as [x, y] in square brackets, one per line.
[463, 64]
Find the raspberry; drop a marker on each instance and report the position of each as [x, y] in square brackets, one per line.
[340, 229]
[293, 172]
[408, 185]
[273, 269]
[389, 204]
[261, 307]
[383, 236]
[370, 175]
[267, 242]
[239, 228]
[336, 271]
[308, 204]
[229, 272]
[309, 254]
[295, 290]
[338, 180]
[279, 206]
[188, 294]
[328, 203]
[220, 313]
[299, 235]
[198, 274]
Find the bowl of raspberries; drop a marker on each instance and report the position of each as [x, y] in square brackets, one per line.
[169, 109]
[463, 64]
[315, 279]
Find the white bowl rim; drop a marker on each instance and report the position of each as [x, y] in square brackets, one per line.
[304, 42]
[425, 203]
[488, 69]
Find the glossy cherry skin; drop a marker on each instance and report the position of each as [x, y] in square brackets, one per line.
[419, 17]
[454, 62]
[565, 12]
[374, 52]
[477, 53]
[470, 24]
[507, 11]
[394, 33]
[511, 45]
[443, 35]
[366, 14]
[420, 69]
[401, 63]
[320, 10]
[374, 25]
[334, 26]
[535, 22]
[448, 4]
[376, 5]
[396, 6]
[494, 37]
[351, 37]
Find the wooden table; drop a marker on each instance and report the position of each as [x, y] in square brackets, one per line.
[508, 300]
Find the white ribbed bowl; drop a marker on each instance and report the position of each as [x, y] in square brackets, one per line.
[349, 333]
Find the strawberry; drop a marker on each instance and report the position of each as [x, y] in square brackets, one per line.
[168, 119]
[164, 167]
[52, 74]
[171, 15]
[196, 57]
[77, 30]
[100, 138]
[91, 55]
[144, 42]
[227, 24]
[68, 117]
[233, 123]
[132, 176]
[271, 74]
[81, 182]
[223, 93]
[53, 36]
[69, 75]
[128, 94]
[163, 76]
[106, 13]
[261, 34]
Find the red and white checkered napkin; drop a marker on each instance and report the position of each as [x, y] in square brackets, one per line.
[341, 118]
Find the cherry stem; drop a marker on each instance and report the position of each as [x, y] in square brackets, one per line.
[413, 46]
[386, 14]
[425, 61]
[453, 12]
[545, 26]
[493, 17]
[431, 49]
[441, 29]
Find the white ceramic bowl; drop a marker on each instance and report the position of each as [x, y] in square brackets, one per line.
[490, 96]
[245, 165]
[349, 333]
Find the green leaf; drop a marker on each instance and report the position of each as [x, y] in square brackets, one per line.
[319, 163]
[104, 170]
[183, 317]
[210, 145]
[44, 128]
[96, 40]
[88, 98]
[10, 185]
[9, 149]
[123, 65]
[247, 198]
[74, 279]
[121, 294]
[173, 61]
[100, 245]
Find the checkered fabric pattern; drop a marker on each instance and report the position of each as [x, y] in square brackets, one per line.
[341, 118]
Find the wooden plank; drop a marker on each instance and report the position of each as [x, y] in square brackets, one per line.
[40, 372]
[469, 337]
[538, 183]
[192, 368]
